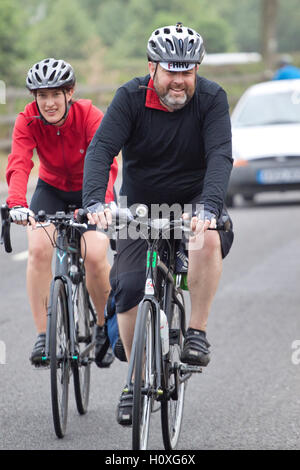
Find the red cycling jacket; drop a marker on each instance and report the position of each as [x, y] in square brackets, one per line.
[61, 151]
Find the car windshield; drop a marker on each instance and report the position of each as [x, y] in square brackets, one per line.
[269, 109]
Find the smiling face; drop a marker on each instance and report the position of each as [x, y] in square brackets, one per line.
[52, 104]
[174, 89]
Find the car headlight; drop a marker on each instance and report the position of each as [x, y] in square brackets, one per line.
[238, 162]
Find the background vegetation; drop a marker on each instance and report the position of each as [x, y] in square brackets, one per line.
[107, 35]
[105, 40]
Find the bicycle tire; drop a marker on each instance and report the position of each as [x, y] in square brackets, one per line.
[83, 337]
[59, 358]
[143, 378]
[172, 408]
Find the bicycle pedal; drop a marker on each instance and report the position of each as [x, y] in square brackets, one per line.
[85, 361]
[190, 368]
[41, 365]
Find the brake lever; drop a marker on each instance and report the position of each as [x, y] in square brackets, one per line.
[5, 228]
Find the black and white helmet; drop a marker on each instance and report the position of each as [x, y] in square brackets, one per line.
[50, 73]
[175, 44]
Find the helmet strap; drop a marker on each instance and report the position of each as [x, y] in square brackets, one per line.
[156, 67]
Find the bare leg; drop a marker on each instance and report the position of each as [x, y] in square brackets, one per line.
[126, 323]
[97, 270]
[39, 274]
[205, 268]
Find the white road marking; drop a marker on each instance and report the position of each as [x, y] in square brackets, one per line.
[20, 256]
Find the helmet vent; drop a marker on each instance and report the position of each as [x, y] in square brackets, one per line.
[65, 76]
[190, 32]
[170, 44]
[156, 32]
[55, 64]
[52, 76]
[45, 68]
[167, 31]
[190, 45]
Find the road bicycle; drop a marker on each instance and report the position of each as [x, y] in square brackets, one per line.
[70, 318]
[155, 372]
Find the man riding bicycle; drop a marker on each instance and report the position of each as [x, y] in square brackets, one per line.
[60, 131]
[174, 130]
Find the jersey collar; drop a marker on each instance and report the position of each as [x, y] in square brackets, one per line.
[152, 99]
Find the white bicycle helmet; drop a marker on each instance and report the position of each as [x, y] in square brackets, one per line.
[175, 44]
[50, 73]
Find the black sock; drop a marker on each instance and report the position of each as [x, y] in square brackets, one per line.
[196, 332]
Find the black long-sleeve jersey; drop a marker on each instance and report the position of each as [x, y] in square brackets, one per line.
[168, 157]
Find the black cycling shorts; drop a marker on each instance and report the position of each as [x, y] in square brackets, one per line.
[51, 199]
[128, 273]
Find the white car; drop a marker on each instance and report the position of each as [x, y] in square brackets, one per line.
[266, 140]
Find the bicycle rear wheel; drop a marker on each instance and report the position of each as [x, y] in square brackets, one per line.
[172, 407]
[83, 338]
[59, 358]
[143, 386]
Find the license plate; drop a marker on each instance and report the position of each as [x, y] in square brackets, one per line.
[278, 176]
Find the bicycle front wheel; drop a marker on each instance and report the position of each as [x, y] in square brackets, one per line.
[59, 358]
[172, 407]
[143, 386]
[83, 336]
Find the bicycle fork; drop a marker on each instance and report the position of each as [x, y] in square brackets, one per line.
[61, 268]
[157, 391]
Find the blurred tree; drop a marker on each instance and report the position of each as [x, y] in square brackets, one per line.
[269, 9]
[62, 31]
[138, 27]
[31, 29]
[113, 20]
[129, 28]
[288, 26]
[12, 40]
[243, 19]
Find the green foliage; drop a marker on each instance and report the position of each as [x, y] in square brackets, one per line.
[62, 30]
[115, 32]
[12, 40]
[289, 26]
[113, 19]
[244, 19]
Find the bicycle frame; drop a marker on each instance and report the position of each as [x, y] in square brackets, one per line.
[63, 253]
[155, 265]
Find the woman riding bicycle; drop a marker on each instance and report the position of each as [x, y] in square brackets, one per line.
[60, 130]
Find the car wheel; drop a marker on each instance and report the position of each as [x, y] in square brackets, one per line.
[248, 198]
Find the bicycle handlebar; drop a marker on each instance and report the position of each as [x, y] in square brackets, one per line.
[80, 219]
[56, 219]
[124, 216]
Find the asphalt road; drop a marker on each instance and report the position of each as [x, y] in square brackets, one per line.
[248, 397]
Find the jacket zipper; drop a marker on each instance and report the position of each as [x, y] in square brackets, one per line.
[64, 159]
